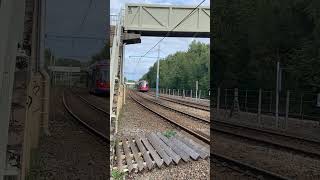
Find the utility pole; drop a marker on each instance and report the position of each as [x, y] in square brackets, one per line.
[157, 81]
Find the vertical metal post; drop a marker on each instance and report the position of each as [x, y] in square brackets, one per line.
[196, 90]
[157, 81]
[69, 79]
[225, 99]
[277, 94]
[54, 73]
[270, 105]
[71, 76]
[236, 100]
[218, 101]
[123, 62]
[122, 72]
[246, 100]
[287, 109]
[184, 94]
[178, 92]
[191, 94]
[301, 106]
[259, 107]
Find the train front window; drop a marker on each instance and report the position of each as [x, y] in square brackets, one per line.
[144, 83]
[104, 75]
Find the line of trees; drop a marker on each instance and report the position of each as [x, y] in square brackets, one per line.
[251, 36]
[182, 69]
[59, 61]
[103, 54]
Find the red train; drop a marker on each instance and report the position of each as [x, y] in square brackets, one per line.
[143, 86]
[98, 77]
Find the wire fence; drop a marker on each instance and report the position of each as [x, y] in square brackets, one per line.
[114, 19]
[228, 103]
[185, 93]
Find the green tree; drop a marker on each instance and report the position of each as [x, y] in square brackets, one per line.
[182, 69]
[251, 36]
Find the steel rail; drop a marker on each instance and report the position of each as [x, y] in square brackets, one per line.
[87, 126]
[258, 140]
[247, 167]
[189, 104]
[178, 111]
[256, 129]
[199, 136]
[89, 103]
[264, 141]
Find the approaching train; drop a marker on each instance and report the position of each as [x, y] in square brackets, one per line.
[98, 77]
[143, 86]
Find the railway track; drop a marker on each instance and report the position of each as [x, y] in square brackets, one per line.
[96, 105]
[178, 111]
[185, 103]
[93, 119]
[244, 166]
[277, 140]
[247, 168]
[283, 142]
[193, 132]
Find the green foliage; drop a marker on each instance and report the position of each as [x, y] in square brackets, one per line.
[182, 69]
[104, 54]
[169, 133]
[117, 175]
[60, 61]
[251, 36]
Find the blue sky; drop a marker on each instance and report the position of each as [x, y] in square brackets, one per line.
[134, 70]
